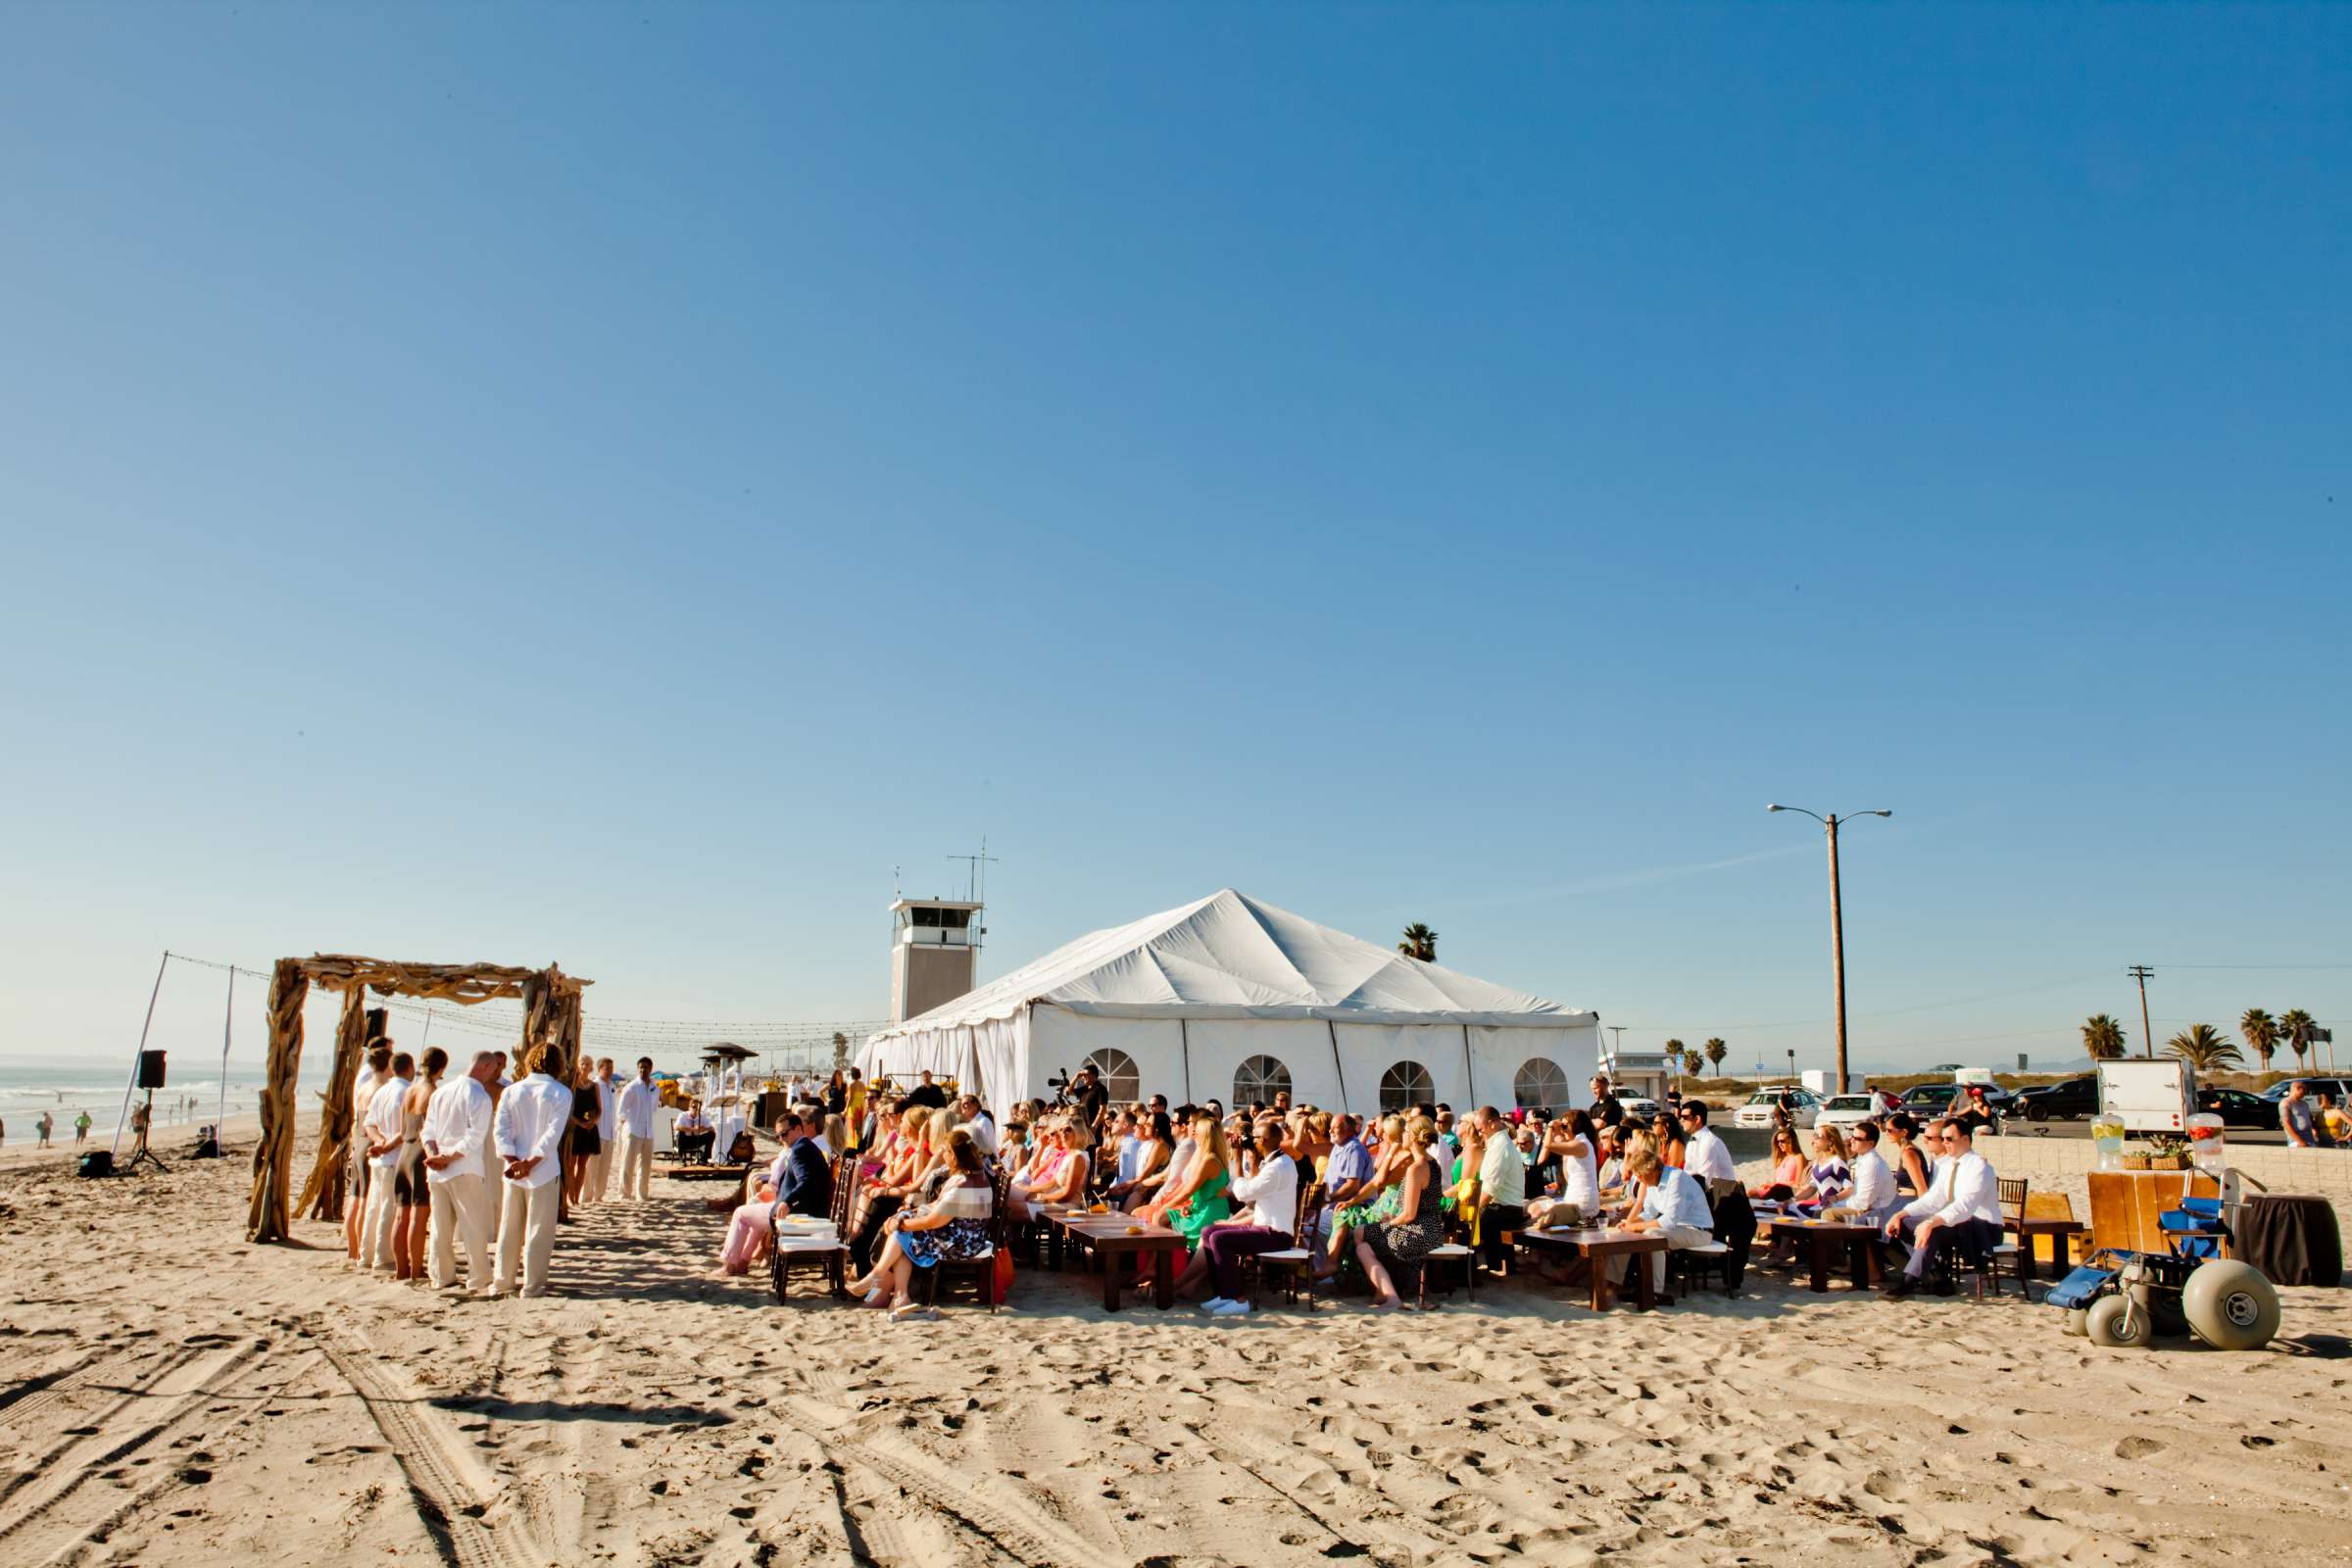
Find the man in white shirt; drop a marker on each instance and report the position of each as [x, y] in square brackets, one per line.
[1959, 1212]
[1502, 1189]
[974, 1118]
[455, 1120]
[635, 1107]
[1710, 1164]
[355, 1156]
[1873, 1200]
[530, 1122]
[379, 1136]
[607, 1133]
[1268, 1224]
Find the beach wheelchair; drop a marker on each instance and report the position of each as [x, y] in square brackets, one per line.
[2133, 1298]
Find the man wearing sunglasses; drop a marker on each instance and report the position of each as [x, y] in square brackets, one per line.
[1960, 1213]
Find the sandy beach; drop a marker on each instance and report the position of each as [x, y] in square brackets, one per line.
[169, 1394]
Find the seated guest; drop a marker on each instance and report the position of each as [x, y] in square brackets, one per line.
[1909, 1166]
[1057, 1177]
[1666, 1131]
[1151, 1186]
[953, 1225]
[1155, 1145]
[1828, 1179]
[881, 1197]
[1709, 1164]
[1403, 1237]
[1873, 1199]
[1502, 1188]
[1960, 1213]
[1672, 1204]
[1787, 1168]
[1012, 1148]
[1348, 1174]
[1200, 1199]
[1267, 1224]
[801, 1182]
[1570, 1144]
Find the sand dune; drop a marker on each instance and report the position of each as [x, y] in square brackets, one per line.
[169, 1395]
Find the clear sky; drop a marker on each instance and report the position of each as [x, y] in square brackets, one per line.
[607, 484]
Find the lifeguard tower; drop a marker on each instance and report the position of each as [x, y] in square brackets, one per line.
[934, 953]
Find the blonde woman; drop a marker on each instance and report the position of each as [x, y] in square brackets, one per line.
[886, 1193]
[1198, 1200]
[954, 1225]
[1061, 1178]
[1828, 1178]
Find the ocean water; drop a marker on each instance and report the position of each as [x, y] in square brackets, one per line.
[65, 1086]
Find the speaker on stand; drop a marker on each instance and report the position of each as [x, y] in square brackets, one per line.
[150, 1079]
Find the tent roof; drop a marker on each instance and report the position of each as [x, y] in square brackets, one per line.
[1229, 955]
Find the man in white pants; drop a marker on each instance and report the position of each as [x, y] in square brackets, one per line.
[380, 1138]
[635, 1107]
[530, 1122]
[455, 1120]
[607, 1130]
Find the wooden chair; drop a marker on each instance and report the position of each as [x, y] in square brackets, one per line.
[1295, 1262]
[1691, 1266]
[784, 1255]
[2011, 1253]
[1449, 1253]
[982, 1269]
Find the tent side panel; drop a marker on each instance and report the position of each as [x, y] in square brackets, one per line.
[1371, 1052]
[1500, 1054]
[1220, 1045]
[1061, 1041]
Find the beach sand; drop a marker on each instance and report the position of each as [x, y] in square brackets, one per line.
[169, 1394]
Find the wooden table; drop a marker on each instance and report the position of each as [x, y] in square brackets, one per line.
[1155, 1247]
[1596, 1247]
[2027, 1230]
[1821, 1240]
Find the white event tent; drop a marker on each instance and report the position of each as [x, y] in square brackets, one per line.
[1230, 999]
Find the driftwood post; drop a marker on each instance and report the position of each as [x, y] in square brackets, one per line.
[274, 1156]
[323, 1194]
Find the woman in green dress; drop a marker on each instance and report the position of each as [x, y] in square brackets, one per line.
[1199, 1198]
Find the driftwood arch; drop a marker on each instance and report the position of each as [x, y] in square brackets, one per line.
[551, 1015]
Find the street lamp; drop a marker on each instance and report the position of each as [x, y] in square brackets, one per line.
[1837, 922]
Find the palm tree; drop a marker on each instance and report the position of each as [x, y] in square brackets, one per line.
[1678, 1056]
[1716, 1051]
[2103, 1038]
[2295, 1027]
[2203, 1048]
[2262, 1033]
[1420, 942]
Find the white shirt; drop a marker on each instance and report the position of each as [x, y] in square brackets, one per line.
[363, 1094]
[608, 1094]
[1273, 1192]
[635, 1105]
[382, 1121]
[530, 1123]
[1705, 1158]
[1501, 1173]
[1874, 1185]
[1580, 1180]
[1962, 1189]
[454, 1119]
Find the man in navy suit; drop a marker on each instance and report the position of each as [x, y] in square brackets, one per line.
[807, 1186]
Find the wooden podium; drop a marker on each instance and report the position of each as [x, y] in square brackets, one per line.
[2125, 1206]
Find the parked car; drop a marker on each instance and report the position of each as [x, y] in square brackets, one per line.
[1640, 1108]
[2237, 1109]
[2071, 1101]
[2313, 1089]
[1757, 1113]
[1845, 1110]
[1929, 1098]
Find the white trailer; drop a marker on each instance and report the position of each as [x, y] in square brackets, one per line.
[2148, 1097]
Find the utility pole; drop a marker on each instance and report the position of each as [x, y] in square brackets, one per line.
[1836, 923]
[2147, 1035]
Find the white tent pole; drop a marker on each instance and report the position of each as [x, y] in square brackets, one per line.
[1186, 1035]
[1335, 1068]
[132, 1083]
[1468, 1076]
[228, 1013]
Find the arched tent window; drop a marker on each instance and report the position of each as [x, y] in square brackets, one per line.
[1260, 1078]
[1539, 1082]
[1406, 1085]
[1118, 1072]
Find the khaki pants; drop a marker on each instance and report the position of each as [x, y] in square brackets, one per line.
[1678, 1239]
[382, 1213]
[461, 1214]
[527, 1235]
[600, 1172]
[636, 1166]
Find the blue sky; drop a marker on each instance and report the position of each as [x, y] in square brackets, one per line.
[609, 484]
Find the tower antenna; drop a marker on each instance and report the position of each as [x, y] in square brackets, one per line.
[975, 882]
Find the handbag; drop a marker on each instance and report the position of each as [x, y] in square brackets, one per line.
[1000, 1282]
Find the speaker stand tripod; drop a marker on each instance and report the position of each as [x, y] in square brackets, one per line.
[142, 1155]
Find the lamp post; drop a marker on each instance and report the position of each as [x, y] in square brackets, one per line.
[1837, 922]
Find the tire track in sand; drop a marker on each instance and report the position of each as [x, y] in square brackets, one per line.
[449, 1489]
